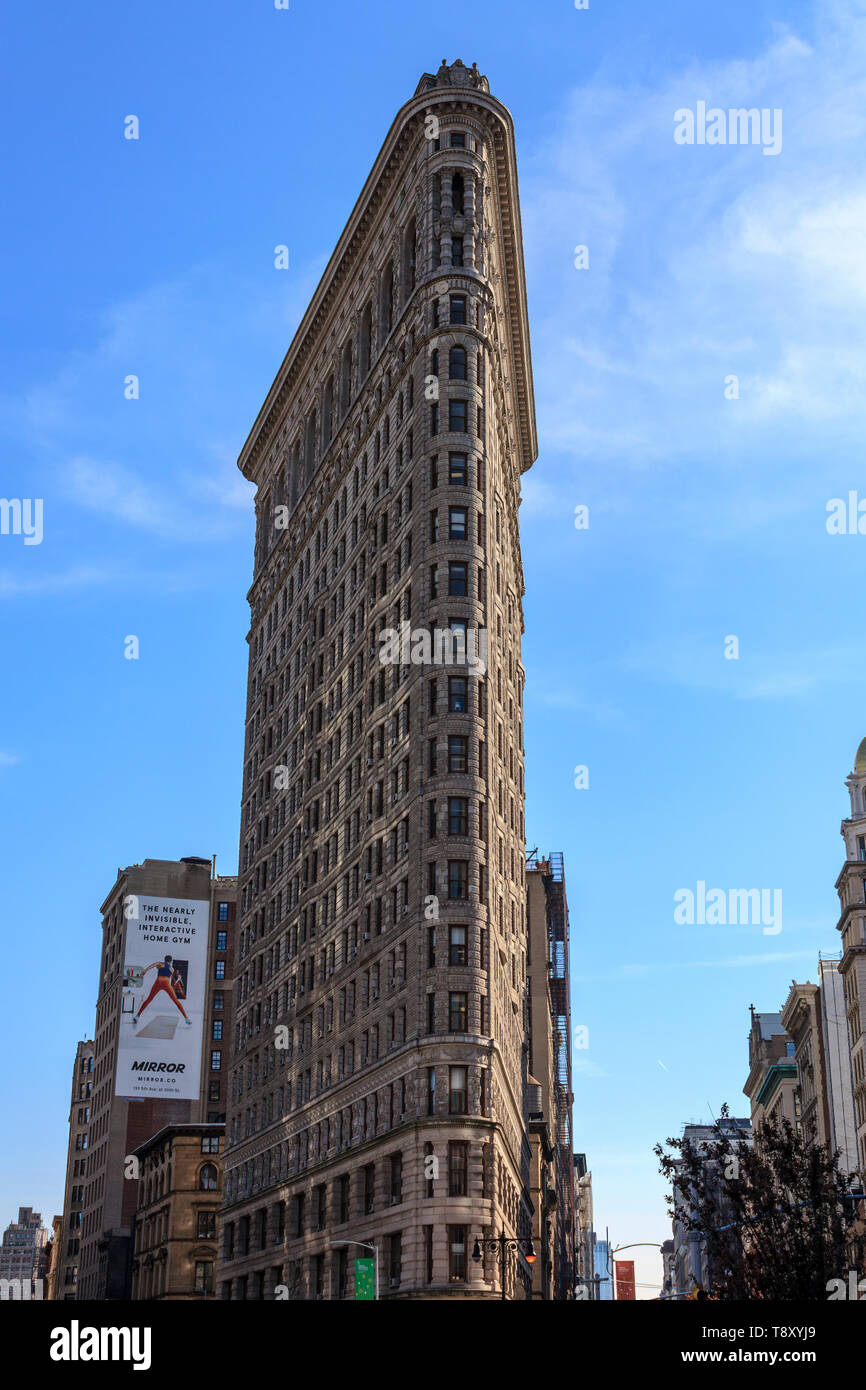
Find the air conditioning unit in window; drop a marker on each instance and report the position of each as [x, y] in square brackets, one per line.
[367, 877]
[369, 762]
[405, 909]
[393, 740]
[366, 936]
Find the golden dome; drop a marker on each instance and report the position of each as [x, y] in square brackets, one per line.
[860, 760]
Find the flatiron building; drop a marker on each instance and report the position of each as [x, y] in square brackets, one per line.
[378, 1062]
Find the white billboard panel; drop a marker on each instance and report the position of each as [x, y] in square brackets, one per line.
[163, 994]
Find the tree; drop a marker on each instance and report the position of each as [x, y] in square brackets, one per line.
[771, 1216]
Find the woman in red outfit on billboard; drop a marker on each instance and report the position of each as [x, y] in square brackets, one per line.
[165, 978]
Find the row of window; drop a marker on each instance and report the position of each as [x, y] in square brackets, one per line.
[312, 1280]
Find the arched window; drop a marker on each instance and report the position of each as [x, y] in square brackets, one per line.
[386, 304]
[457, 194]
[328, 413]
[366, 345]
[207, 1178]
[294, 490]
[457, 364]
[409, 255]
[346, 379]
[310, 447]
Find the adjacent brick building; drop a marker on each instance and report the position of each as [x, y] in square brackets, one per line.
[179, 1197]
[102, 1190]
[67, 1253]
[549, 1097]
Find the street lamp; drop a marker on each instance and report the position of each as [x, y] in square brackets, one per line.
[501, 1244]
[654, 1244]
[364, 1245]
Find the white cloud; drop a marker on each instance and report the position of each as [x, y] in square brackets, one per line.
[704, 262]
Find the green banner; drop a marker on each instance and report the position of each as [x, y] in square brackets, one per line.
[365, 1278]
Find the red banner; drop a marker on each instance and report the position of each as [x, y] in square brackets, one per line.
[625, 1280]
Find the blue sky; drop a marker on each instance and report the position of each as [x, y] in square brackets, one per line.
[707, 515]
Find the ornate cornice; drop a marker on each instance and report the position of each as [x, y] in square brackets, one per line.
[406, 129]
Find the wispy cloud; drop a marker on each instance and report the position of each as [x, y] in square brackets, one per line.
[60, 582]
[754, 266]
[757, 674]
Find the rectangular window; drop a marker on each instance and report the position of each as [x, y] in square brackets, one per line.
[395, 1259]
[217, 1029]
[457, 1090]
[220, 970]
[458, 308]
[431, 1090]
[431, 1013]
[216, 1060]
[222, 940]
[457, 1253]
[457, 949]
[457, 578]
[396, 1179]
[456, 250]
[458, 753]
[343, 1199]
[458, 878]
[457, 695]
[223, 912]
[458, 1169]
[206, 1225]
[457, 470]
[456, 524]
[458, 1013]
[457, 417]
[369, 1188]
[458, 815]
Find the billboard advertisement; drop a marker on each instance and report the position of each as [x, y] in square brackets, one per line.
[162, 1000]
